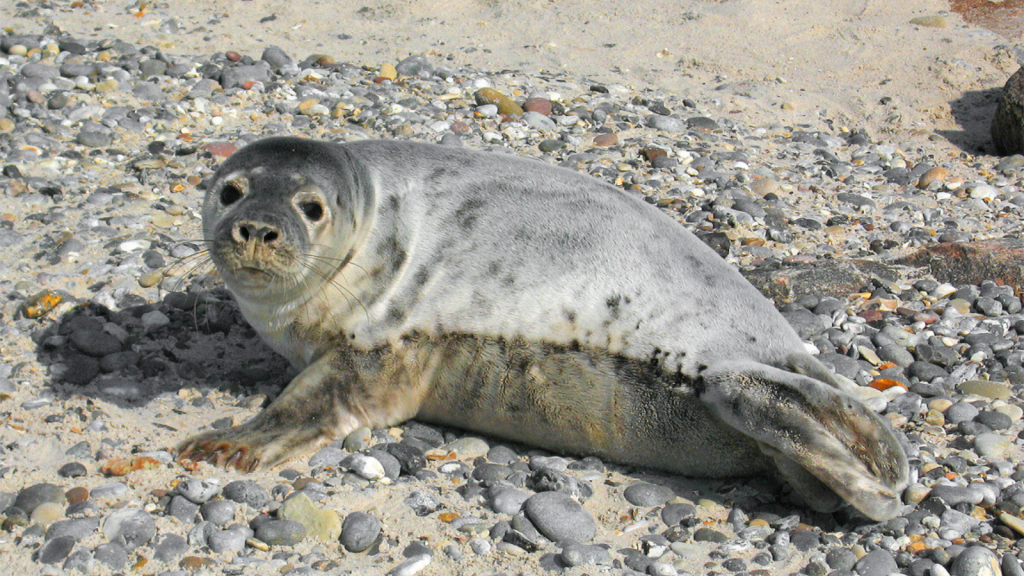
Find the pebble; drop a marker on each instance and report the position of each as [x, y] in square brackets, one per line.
[644, 494]
[324, 525]
[878, 562]
[991, 445]
[129, 527]
[359, 531]
[558, 517]
[281, 532]
[411, 566]
[55, 550]
[975, 561]
[246, 492]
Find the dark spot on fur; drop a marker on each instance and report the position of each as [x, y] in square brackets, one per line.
[395, 253]
[395, 314]
[523, 235]
[493, 268]
[394, 202]
[570, 315]
[613, 304]
[509, 280]
[466, 215]
[752, 339]
[438, 173]
[421, 276]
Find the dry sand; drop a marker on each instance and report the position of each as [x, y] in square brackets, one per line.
[849, 63]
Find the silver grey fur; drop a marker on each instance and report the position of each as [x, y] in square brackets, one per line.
[530, 302]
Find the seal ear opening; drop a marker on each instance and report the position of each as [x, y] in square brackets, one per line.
[821, 439]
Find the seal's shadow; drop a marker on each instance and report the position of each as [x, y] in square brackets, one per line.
[973, 112]
[130, 356]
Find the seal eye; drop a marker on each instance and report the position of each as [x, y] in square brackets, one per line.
[230, 194]
[313, 211]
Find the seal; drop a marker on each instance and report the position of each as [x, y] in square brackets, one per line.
[525, 301]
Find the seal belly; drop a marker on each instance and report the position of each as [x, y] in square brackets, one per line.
[577, 401]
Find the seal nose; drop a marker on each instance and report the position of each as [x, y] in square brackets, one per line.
[257, 232]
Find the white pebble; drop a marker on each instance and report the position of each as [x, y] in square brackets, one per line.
[411, 566]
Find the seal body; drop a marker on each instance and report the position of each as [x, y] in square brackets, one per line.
[530, 302]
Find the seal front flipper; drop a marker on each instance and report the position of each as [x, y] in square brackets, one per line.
[820, 438]
[318, 405]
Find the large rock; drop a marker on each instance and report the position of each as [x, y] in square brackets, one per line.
[1001, 260]
[822, 278]
[1008, 122]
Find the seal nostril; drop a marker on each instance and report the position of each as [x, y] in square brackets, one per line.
[270, 236]
[313, 211]
[243, 232]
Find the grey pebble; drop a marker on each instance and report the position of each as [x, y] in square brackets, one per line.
[575, 554]
[29, 498]
[234, 540]
[646, 494]
[359, 531]
[111, 554]
[878, 562]
[169, 548]
[220, 512]
[129, 527]
[422, 503]
[183, 509]
[115, 489]
[198, 491]
[557, 516]
[666, 123]
[961, 412]
[507, 500]
[411, 566]
[247, 492]
[975, 561]
[77, 528]
[281, 532]
[80, 560]
[327, 456]
[55, 550]
[840, 559]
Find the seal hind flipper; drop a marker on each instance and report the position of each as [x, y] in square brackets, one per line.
[817, 435]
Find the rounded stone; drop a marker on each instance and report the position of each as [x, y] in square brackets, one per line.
[220, 512]
[360, 531]
[558, 517]
[975, 561]
[228, 541]
[281, 532]
[246, 492]
[129, 527]
[55, 550]
[645, 494]
[878, 562]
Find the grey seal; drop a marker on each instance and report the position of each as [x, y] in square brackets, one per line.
[525, 301]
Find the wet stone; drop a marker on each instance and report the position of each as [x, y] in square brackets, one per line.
[95, 343]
